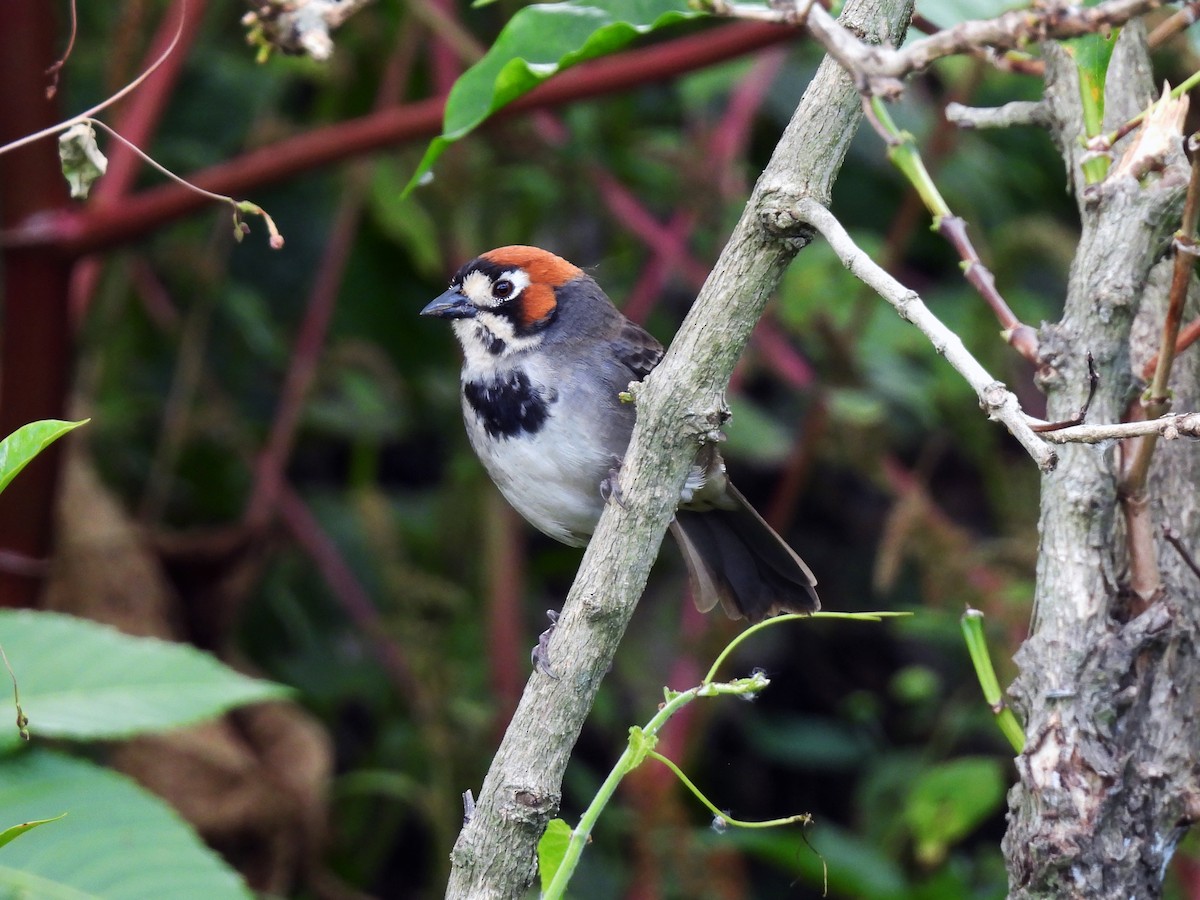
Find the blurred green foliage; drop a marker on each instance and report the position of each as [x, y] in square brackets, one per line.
[871, 454]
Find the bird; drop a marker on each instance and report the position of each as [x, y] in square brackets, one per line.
[546, 359]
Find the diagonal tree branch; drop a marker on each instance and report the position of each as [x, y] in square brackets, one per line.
[679, 406]
[999, 402]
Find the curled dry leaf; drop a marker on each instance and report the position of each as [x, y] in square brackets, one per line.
[1160, 134]
[82, 161]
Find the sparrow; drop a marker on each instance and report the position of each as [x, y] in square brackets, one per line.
[546, 358]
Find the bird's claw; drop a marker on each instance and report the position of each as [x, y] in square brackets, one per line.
[540, 656]
[610, 488]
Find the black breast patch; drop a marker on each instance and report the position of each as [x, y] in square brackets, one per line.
[508, 405]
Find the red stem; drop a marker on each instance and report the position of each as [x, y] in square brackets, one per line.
[89, 231]
[312, 538]
[34, 348]
[314, 329]
[302, 368]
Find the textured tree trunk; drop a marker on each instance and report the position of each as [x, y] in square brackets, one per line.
[1109, 683]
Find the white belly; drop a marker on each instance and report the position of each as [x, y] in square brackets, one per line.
[548, 477]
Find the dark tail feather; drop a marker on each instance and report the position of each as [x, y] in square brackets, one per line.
[735, 558]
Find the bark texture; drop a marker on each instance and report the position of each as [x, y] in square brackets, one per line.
[1108, 688]
[679, 406]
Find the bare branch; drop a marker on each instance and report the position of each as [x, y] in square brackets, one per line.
[879, 71]
[1166, 427]
[1016, 113]
[1171, 536]
[999, 402]
[1183, 19]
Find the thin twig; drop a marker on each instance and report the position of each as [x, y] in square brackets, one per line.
[1021, 337]
[99, 228]
[56, 69]
[1187, 336]
[239, 206]
[103, 104]
[1081, 416]
[997, 401]
[1168, 427]
[1103, 143]
[879, 71]
[903, 153]
[1157, 399]
[1014, 113]
[1171, 536]
[1172, 25]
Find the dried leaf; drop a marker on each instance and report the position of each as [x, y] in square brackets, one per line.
[82, 161]
[1160, 134]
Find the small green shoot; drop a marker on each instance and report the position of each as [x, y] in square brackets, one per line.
[642, 740]
[972, 628]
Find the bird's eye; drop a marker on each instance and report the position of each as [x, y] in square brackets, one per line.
[502, 289]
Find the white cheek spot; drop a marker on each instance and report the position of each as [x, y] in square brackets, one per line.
[478, 288]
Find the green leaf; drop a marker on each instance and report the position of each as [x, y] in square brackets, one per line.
[8, 835]
[20, 447]
[949, 800]
[118, 842]
[1092, 54]
[83, 680]
[538, 42]
[406, 222]
[551, 850]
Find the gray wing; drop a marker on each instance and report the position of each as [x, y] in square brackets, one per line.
[637, 349]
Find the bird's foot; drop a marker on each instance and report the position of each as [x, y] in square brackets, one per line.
[540, 657]
[610, 488]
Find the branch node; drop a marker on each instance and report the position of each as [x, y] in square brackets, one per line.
[993, 397]
[530, 807]
[780, 219]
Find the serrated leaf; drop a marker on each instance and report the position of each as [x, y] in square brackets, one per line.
[117, 842]
[551, 850]
[19, 448]
[86, 681]
[538, 42]
[8, 835]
